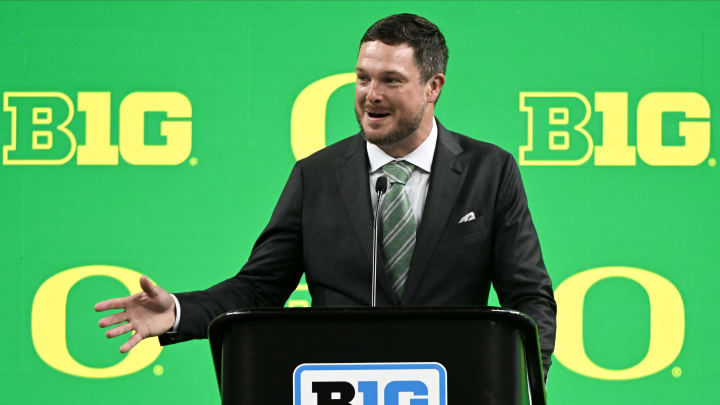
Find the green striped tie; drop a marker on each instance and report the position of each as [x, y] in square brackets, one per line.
[398, 224]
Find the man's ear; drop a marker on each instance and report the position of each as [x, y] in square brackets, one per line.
[434, 87]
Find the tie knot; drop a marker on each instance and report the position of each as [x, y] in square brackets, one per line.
[398, 171]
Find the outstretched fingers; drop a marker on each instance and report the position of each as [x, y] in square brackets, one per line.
[115, 303]
[113, 319]
[119, 330]
[135, 339]
[150, 289]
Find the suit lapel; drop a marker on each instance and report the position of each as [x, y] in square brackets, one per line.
[446, 178]
[353, 180]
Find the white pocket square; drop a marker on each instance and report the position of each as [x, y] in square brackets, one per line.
[470, 216]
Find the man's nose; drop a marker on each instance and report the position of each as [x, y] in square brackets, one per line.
[374, 93]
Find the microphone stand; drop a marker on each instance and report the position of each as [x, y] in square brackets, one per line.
[380, 188]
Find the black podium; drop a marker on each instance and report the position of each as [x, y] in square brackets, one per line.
[377, 356]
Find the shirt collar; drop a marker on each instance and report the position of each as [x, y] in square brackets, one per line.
[421, 157]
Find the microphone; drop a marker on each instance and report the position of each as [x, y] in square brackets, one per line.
[380, 189]
[381, 185]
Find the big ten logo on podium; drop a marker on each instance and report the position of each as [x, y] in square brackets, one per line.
[673, 129]
[370, 384]
[40, 133]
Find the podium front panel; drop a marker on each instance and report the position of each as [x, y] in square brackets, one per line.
[482, 353]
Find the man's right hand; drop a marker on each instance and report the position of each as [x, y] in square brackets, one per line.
[149, 313]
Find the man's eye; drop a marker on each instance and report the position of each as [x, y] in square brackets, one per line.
[362, 79]
[391, 80]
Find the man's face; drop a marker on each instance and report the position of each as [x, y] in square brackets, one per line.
[390, 99]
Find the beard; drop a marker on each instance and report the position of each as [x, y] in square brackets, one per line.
[402, 129]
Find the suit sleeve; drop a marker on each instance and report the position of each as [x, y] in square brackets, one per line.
[519, 275]
[268, 278]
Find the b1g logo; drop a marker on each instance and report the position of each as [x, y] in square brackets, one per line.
[370, 384]
[673, 129]
[39, 133]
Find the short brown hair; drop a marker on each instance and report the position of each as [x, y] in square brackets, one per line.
[431, 53]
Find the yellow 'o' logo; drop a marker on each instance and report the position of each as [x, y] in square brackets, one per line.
[667, 323]
[307, 119]
[48, 324]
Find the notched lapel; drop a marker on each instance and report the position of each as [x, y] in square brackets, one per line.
[446, 179]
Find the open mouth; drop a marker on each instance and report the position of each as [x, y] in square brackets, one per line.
[378, 115]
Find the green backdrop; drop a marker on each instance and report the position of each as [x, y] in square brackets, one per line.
[632, 248]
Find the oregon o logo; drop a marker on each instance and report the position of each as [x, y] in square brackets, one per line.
[667, 323]
[307, 119]
[48, 324]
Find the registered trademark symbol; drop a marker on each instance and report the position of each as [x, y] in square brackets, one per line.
[676, 372]
[194, 161]
[158, 370]
[712, 162]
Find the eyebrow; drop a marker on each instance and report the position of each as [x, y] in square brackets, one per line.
[384, 72]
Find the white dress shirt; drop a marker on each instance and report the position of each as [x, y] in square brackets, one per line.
[417, 185]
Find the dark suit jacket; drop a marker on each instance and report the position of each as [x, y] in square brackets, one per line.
[322, 225]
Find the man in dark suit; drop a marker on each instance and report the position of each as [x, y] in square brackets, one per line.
[454, 220]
